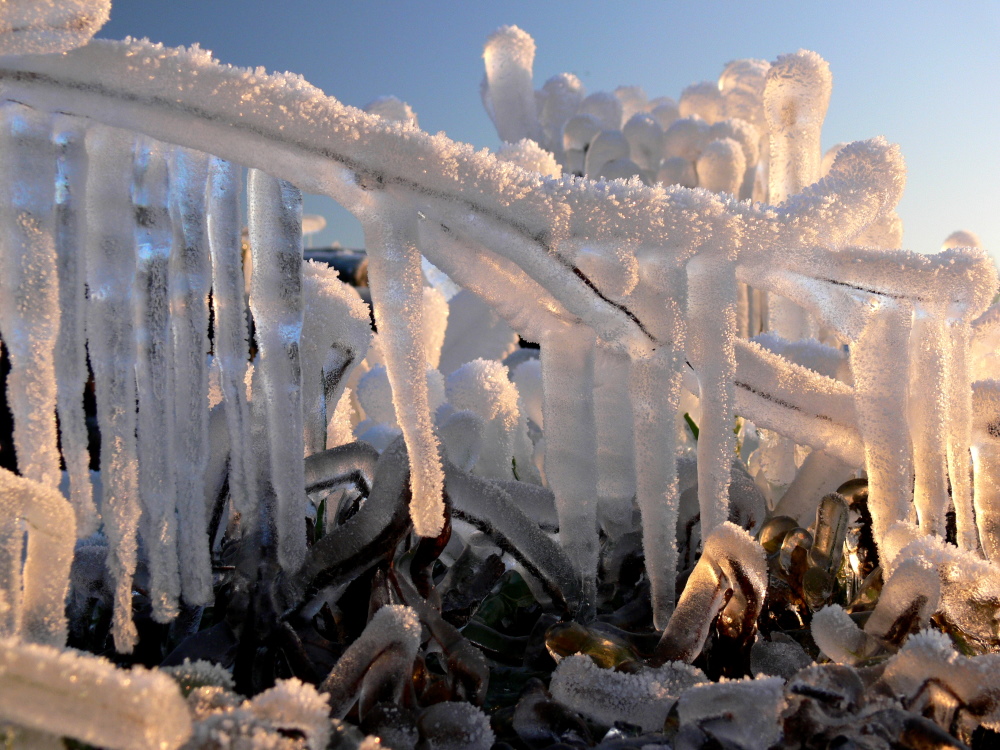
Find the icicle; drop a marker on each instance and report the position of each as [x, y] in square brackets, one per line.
[230, 328]
[190, 282]
[927, 409]
[29, 304]
[881, 409]
[571, 445]
[154, 377]
[615, 450]
[110, 250]
[959, 430]
[986, 464]
[276, 302]
[711, 316]
[654, 389]
[396, 285]
[71, 349]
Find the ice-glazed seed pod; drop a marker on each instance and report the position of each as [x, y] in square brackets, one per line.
[687, 138]
[607, 146]
[702, 99]
[561, 96]
[391, 108]
[507, 89]
[633, 99]
[645, 138]
[578, 133]
[742, 86]
[721, 166]
[665, 111]
[677, 170]
[605, 108]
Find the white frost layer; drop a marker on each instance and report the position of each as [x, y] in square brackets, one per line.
[605, 696]
[89, 699]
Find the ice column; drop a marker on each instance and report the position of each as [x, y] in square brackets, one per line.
[230, 327]
[29, 305]
[276, 303]
[712, 330]
[927, 410]
[397, 293]
[571, 444]
[110, 274]
[986, 461]
[880, 397]
[71, 348]
[190, 281]
[615, 451]
[154, 376]
[796, 96]
[959, 428]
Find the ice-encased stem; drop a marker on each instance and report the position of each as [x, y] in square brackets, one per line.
[87, 698]
[275, 222]
[29, 286]
[880, 395]
[986, 464]
[69, 134]
[393, 630]
[230, 327]
[40, 608]
[397, 293]
[654, 390]
[154, 377]
[571, 444]
[711, 330]
[927, 411]
[111, 344]
[190, 281]
[509, 54]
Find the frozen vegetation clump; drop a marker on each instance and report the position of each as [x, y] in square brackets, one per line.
[742, 494]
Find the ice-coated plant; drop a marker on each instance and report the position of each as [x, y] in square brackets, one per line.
[302, 533]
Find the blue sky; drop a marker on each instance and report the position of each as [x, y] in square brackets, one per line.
[926, 75]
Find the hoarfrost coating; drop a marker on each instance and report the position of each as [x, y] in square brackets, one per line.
[670, 258]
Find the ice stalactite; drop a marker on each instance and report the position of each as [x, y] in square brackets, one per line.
[881, 409]
[230, 328]
[959, 430]
[29, 306]
[986, 464]
[111, 266]
[571, 444]
[155, 376]
[712, 315]
[396, 284]
[276, 301]
[69, 134]
[616, 485]
[189, 283]
[927, 419]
